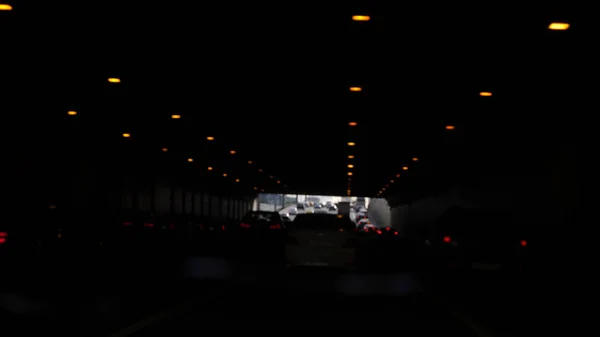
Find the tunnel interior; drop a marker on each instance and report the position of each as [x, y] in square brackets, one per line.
[125, 117]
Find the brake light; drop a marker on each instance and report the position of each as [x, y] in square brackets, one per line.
[395, 233]
[447, 239]
[379, 232]
[244, 225]
[275, 226]
[149, 225]
[3, 236]
[223, 227]
[523, 243]
[388, 229]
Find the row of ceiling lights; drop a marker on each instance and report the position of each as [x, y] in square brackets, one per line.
[116, 80]
[351, 157]
[551, 26]
[189, 159]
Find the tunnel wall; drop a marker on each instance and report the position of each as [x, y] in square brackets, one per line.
[88, 185]
[547, 199]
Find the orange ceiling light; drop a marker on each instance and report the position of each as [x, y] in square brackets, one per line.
[114, 80]
[450, 127]
[5, 7]
[210, 138]
[559, 26]
[355, 89]
[485, 94]
[352, 123]
[362, 18]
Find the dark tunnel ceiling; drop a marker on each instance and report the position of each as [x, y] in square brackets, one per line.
[272, 83]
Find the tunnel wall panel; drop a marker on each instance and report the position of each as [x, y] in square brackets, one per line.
[189, 202]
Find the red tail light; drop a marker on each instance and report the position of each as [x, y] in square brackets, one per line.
[523, 243]
[223, 227]
[447, 239]
[127, 223]
[149, 225]
[388, 229]
[379, 232]
[3, 236]
[395, 233]
[244, 225]
[275, 226]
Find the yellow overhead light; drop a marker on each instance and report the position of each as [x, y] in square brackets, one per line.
[260, 170]
[224, 174]
[126, 135]
[352, 124]
[210, 138]
[164, 149]
[485, 94]
[250, 162]
[176, 116]
[114, 80]
[415, 159]
[392, 181]
[350, 166]
[237, 180]
[190, 160]
[5, 7]
[210, 168]
[351, 143]
[232, 152]
[559, 26]
[279, 181]
[405, 168]
[350, 156]
[398, 175]
[355, 89]
[450, 127]
[72, 113]
[255, 188]
[349, 173]
[361, 18]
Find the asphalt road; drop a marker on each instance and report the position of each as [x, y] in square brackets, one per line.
[252, 308]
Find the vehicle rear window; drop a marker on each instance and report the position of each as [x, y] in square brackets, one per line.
[262, 217]
[323, 222]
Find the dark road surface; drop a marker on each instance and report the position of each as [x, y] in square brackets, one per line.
[256, 310]
[305, 299]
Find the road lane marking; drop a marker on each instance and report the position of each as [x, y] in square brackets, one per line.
[152, 320]
[476, 328]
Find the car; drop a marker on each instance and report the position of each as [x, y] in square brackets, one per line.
[300, 209]
[479, 239]
[332, 209]
[262, 224]
[324, 240]
[320, 209]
